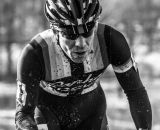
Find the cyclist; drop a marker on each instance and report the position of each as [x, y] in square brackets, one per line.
[58, 73]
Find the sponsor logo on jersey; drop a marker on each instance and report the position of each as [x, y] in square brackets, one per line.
[72, 85]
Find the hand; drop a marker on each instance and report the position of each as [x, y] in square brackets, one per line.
[27, 124]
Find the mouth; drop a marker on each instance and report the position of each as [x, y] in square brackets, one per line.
[80, 53]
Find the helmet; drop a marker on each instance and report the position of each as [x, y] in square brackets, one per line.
[76, 16]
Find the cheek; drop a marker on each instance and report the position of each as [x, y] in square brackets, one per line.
[67, 44]
[89, 40]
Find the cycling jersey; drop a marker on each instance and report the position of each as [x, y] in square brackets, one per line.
[49, 81]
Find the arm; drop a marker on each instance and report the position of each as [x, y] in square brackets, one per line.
[28, 77]
[128, 77]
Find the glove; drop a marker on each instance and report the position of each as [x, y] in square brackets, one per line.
[27, 124]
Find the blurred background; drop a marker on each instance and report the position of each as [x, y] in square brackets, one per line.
[138, 20]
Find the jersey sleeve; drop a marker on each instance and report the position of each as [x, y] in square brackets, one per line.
[119, 52]
[126, 71]
[29, 74]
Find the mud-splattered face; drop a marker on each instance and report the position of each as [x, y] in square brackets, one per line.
[77, 49]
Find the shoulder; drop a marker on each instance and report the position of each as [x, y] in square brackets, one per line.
[117, 37]
[37, 42]
[28, 62]
[110, 32]
[118, 48]
[27, 57]
[28, 50]
[45, 34]
[44, 39]
[33, 49]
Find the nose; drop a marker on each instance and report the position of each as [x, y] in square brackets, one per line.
[80, 42]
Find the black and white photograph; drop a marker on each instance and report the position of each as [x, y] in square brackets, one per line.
[80, 65]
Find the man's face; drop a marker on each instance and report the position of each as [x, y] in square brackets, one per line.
[78, 49]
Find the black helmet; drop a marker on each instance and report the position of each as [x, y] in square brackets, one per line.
[77, 16]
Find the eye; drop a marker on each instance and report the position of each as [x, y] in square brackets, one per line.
[73, 36]
[70, 36]
[88, 34]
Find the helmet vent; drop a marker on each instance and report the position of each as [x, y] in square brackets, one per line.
[72, 12]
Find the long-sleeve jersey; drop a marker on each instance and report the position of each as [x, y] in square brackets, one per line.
[44, 70]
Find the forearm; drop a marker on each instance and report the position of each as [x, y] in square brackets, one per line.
[26, 100]
[138, 98]
[140, 108]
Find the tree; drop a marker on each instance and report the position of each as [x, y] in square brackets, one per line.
[148, 17]
[20, 21]
[123, 12]
[145, 13]
[9, 11]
